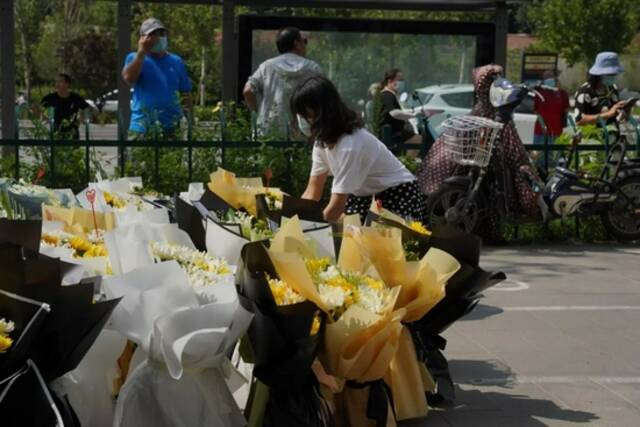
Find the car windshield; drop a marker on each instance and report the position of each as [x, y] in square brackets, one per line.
[425, 97]
[459, 99]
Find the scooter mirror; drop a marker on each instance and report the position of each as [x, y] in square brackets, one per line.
[404, 97]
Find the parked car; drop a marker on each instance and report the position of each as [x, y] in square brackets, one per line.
[457, 100]
[107, 102]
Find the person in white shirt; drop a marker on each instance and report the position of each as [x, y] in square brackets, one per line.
[361, 165]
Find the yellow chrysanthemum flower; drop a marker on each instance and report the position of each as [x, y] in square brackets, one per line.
[283, 294]
[5, 343]
[80, 244]
[50, 239]
[95, 251]
[418, 227]
[317, 265]
[113, 200]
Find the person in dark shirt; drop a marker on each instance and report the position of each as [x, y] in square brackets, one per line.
[66, 106]
[393, 85]
[598, 98]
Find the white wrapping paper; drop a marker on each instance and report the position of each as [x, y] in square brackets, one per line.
[184, 380]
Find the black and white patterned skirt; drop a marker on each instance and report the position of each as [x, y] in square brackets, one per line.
[404, 200]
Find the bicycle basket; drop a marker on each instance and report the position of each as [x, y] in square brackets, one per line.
[469, 140]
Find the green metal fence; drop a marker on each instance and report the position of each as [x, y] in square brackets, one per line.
[123, 146]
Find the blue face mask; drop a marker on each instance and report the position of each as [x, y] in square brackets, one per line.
[400, 86]
[160, 46]
[609, 80]
[549, 82]
[304, 125]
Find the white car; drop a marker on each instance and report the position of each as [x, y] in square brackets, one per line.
[457, 100]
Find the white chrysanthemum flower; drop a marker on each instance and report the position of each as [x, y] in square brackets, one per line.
[370, 299]
[332, 296]
[6, 327]
[330, 273]
[201, 268]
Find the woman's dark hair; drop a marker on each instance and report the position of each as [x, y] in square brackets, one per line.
[594, 80]
[332, 118]
[390, 75]
[287, 38]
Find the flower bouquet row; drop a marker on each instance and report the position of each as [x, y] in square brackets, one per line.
[45, 331]
[19, 199]
[347, 316]
[233, 211]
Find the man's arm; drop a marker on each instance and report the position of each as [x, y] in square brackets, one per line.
[250, 98]
[131, 71]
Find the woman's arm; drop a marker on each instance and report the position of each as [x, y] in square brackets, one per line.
[335, 209]
[586, 119]
[315, 187]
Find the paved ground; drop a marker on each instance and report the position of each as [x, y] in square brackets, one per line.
[557, 345]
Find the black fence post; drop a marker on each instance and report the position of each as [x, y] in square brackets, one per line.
[122, 139]
[157, 166]
[17, 160]
[189, 115]
[87, 136]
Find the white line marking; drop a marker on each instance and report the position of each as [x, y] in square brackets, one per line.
[510, 285]
[548, 380]
[572, 308]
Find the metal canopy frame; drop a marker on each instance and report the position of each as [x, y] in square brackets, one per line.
[230, 62]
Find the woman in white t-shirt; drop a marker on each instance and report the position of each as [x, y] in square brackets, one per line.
[361, 165]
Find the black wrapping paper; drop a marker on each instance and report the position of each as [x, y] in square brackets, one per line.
[307, 210]
[25, 233]
[282, 346]
[56, 326]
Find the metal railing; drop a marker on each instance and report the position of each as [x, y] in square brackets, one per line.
[222, 144]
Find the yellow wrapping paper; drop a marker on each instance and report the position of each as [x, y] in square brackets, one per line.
[78, 221]
[292, 270]
[421, 286]
[408, 380]
[360, 347]
[239, 193]
[351, 257]
[422, 282]
[290, 238]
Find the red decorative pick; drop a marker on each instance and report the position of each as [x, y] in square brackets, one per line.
[379, 204]
[268, 174]
[91, 197]
[39, 176]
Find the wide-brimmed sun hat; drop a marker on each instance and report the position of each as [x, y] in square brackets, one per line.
[606, 63]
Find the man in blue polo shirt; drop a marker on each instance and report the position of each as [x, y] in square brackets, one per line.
[158, 79]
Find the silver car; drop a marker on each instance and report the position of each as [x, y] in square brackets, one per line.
[457, 100]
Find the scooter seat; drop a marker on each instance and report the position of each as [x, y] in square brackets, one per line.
[566, 172]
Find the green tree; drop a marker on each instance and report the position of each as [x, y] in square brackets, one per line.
[92, 57]
[30, 15]
[579, 29]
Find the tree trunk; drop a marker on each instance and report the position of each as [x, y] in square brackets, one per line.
[26, 59]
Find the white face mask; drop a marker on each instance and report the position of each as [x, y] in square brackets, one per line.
[304, 125]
